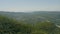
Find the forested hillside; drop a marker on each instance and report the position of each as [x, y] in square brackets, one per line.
[12, 26]
[33, 17]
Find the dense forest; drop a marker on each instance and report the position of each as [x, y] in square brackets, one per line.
[10, 25]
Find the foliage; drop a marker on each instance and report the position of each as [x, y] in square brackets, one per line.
[12, 26]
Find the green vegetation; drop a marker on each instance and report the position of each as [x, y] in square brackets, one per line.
[34, 17]
[12, 26]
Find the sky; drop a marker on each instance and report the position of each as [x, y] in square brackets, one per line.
[29, 5]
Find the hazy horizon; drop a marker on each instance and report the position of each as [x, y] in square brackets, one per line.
[29, 5]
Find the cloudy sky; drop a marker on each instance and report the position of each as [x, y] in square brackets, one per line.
[29, 5]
